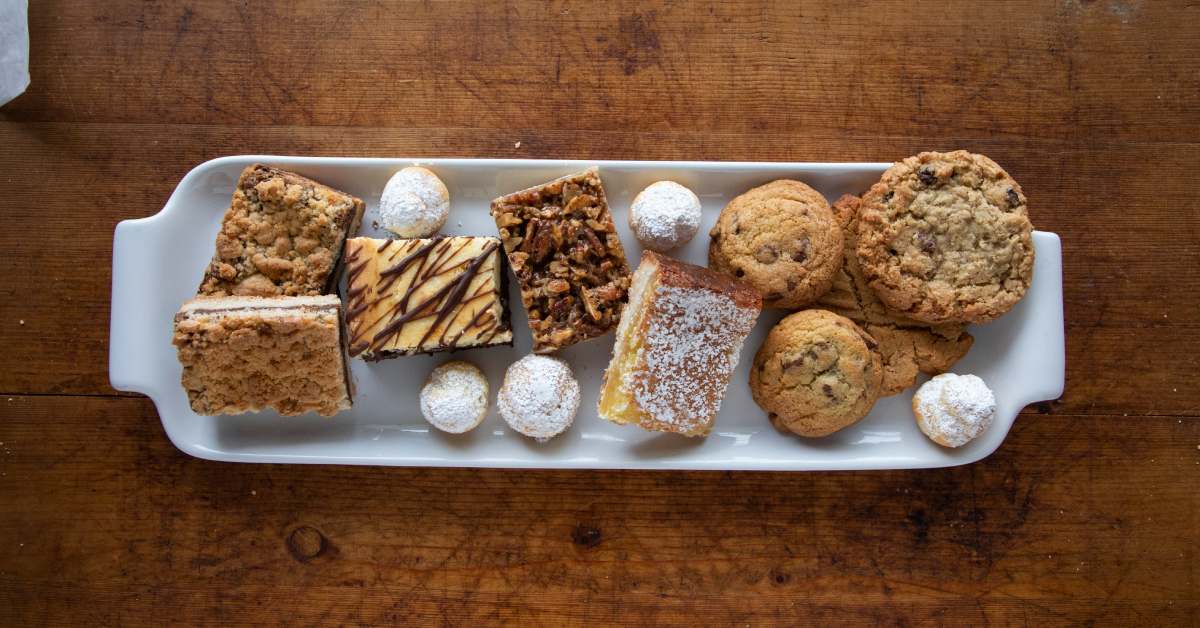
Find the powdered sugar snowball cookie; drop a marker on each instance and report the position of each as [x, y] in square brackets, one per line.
[664, 216]
[953, 409]
[415, 203]
[539, 396]
[455, 397]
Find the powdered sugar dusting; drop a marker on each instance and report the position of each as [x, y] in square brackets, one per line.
[539, 397]
[414, 204]
[455, 397]
[665, 215]
[954, 409]
[690, 349]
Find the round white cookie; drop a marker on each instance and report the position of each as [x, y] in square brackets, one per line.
[953, 409]
[455, 397]
[415, 203]
[664, 216]
[539, 397]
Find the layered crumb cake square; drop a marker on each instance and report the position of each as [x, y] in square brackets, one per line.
[246, 354]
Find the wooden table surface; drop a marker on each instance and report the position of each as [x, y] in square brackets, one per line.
[1089, 512]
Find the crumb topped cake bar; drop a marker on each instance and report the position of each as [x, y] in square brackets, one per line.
[563, 248]
[424, 295]
[281, 236]
[677, 345]
[246, 354]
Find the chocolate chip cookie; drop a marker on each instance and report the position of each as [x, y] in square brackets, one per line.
[816, 373]
[780, 238]
[946, 238]
[906, 346]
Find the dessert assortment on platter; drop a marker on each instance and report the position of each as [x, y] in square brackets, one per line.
[872, 290]
[266, 370]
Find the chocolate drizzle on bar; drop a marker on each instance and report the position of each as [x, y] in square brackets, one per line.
[420, 261]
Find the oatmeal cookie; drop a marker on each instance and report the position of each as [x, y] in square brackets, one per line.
[946, 238]
[816, 373]
[782, 239]
[906, 346]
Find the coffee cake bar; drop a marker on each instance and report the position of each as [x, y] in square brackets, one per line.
[563, 247]
[246, 354]
[677, 345]
[424, 295]
[282, 235]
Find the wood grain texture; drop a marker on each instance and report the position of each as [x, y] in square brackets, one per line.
[1064, 70]
[1087, 514]
[1048, 529]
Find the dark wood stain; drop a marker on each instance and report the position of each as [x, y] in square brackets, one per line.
[1085, 515]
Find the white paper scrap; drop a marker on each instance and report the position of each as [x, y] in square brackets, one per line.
[14, 49]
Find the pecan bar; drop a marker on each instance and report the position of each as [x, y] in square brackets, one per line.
[563, 248]
[281, 236]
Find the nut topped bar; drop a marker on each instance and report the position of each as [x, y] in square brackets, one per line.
[424, 295]
[564, 249]
[281, 236]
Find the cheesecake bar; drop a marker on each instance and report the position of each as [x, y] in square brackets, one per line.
[677, 345]
[563, 248]
[424, 295]
[281, 236]
[246, 354]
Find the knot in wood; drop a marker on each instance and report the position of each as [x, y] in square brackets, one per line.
[306, 543]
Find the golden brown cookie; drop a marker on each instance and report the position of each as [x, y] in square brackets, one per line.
[906, 346]
[903, 352]
[816, 373]
[946, 238]
[782, 239]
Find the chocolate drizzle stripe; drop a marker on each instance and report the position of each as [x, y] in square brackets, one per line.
[435, 268]
[454, 298]
[420, 252]
[426, 312]
[354, 310]
[471, 324]
[355, 299]
[446, 301]
[431, 259]
[417, 254]
[482, 293]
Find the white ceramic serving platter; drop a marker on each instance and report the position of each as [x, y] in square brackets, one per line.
[158, 262]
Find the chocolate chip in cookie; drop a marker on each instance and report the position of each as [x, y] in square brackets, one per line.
[905, 346]
[782, 238]
[815, 374]
[945, 238]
